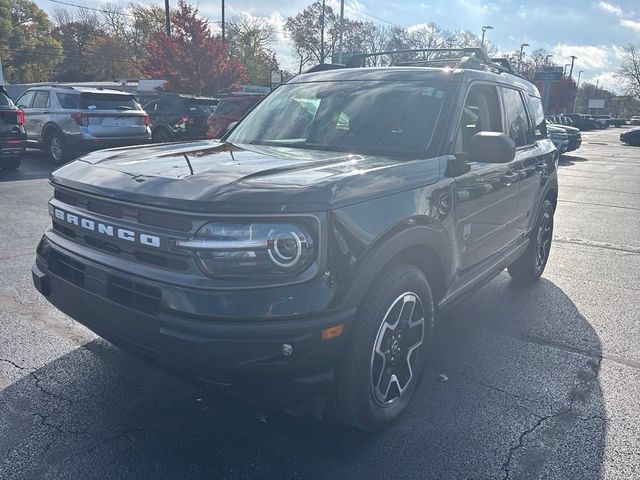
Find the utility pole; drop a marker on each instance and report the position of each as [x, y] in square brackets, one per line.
[573, 59]
[322, 34]
[167, 18]
[223, 37]
[341, 31]
[573, 110]
[522, 45]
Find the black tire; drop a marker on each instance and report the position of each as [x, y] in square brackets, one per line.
[357, 398]
[529, 266]
[161, 135]
[10, 164]
[57, 150]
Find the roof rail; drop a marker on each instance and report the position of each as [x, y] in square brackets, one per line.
[477, 52]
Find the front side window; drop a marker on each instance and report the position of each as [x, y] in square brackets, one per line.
[481, 113]
[41, 99]
[369, 117]
[517, 121]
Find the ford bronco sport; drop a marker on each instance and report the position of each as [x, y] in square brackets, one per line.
[304, 259]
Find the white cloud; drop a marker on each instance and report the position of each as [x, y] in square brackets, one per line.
[607, 80]
[631, 24]
[611, 8]
[590, 57]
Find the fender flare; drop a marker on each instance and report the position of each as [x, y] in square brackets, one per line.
[387, 248]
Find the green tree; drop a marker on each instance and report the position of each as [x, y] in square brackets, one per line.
[29, 52]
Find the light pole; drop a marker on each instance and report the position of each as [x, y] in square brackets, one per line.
[573, 110]
[564, 70]
[484, 29]
[573, 59]
[522, 45]
[341, 31]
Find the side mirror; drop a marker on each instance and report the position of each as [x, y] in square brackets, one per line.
[491, 147]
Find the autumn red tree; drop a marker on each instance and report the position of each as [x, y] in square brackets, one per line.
[192, 60]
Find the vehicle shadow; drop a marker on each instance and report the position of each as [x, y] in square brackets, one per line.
[566, 160]
[35, 165]
[511, 390]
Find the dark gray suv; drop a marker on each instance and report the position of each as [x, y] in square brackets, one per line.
[65, 121]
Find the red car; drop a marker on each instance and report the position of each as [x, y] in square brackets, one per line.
[229, 110]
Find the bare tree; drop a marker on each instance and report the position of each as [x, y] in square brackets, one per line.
[629, 71]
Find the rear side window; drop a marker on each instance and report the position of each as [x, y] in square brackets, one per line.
[227, 106]
[41, 99]
[25, 100]
[105, 101]
[540, 130]
[517, 121]
[69, 100]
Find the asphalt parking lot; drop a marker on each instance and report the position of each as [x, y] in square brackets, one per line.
[542, 382]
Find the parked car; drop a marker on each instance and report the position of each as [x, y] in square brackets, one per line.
[581, 121]
[177, 117]
[303, 259]
[559, 137]
[603, 121]
[574, 137]
[631, 137]
[66, 121]
[564, 120]
[13, 137]
[635, 120]
[230, 110]
[617, 122]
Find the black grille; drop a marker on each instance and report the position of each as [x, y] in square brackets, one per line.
[133, 294]
[107, 209]
[66, 268]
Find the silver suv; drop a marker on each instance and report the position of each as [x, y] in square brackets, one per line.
[65, 121]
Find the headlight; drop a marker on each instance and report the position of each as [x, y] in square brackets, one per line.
[252, 249]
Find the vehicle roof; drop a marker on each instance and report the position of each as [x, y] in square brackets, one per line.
[174, 94]
[70, 89]
[416, 74]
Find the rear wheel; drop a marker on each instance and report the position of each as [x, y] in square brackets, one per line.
[529, 266]
[385, 355]
[10, 164]
[56, 149]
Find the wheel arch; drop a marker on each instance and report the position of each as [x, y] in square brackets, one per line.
[49, 128]
[421, 246]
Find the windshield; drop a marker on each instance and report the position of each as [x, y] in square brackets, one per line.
[369, 117]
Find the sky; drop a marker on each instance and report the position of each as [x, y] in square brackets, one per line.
[594, 31]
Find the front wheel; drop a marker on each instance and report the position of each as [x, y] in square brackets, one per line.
[385, 354]
[10, 164]
[529, 266]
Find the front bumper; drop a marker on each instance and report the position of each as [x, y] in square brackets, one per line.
[285, 360]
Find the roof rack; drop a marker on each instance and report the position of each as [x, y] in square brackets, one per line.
[475, 58]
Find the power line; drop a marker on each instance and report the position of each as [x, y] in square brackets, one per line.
[83, 7]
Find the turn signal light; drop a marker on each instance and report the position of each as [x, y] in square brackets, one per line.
[332, 332]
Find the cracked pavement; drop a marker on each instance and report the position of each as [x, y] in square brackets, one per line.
[543, 382]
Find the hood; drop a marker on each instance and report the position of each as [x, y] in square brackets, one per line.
[209, 176]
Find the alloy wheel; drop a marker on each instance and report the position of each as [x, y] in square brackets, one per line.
[543, 240]
[396, 348]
